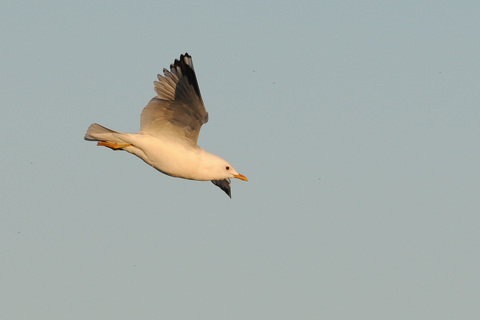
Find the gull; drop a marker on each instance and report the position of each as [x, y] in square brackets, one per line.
[169, 129]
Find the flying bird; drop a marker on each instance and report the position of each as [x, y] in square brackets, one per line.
[169, 129]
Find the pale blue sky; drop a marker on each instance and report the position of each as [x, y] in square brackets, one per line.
[357, 124]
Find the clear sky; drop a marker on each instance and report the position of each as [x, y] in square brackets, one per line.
[356, 122]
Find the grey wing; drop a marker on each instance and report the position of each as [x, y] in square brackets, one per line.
[177, 111]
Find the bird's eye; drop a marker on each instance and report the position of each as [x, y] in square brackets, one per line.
[227, 167]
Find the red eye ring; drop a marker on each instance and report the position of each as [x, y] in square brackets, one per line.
[227, 167]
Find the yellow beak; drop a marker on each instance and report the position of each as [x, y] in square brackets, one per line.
[241, 177]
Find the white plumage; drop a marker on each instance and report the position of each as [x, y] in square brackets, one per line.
[170, 125]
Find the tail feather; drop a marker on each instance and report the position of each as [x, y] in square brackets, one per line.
[106, 137]
[97, 132]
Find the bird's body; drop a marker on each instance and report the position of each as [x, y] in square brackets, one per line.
[170, 125]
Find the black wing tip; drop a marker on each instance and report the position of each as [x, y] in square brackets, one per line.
[185, 55]
[224, 185]
[187, 70]
[181, 62]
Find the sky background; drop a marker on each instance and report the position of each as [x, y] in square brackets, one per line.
[356, 123]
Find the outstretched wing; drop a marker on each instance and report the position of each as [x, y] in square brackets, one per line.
[177, 111]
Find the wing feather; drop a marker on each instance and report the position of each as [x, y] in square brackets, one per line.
[177, 111]
[224, 185]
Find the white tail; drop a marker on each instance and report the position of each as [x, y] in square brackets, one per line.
[97, 132]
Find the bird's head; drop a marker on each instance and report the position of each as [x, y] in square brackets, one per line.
[212, 167]
[221, 169]
[218, 170]
[227, 171]
[230, 172]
